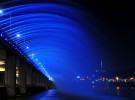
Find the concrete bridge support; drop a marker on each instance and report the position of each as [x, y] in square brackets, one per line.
[29, 75]
[20, 74]
[36, 78]
[37, 81]
[10, 75]
[22, 77]
[40, 80]
[33, 78]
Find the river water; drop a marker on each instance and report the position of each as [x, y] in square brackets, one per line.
[117, 93]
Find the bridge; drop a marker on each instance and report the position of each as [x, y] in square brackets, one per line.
[17, 75]
[43, 44]
[47, 44]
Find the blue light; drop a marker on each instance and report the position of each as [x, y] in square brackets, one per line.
[56, 37]
[18, 35]
[36, 59]
[78, 77]
[50, 79]
[32, 54]
[93, 82]
[1, 11]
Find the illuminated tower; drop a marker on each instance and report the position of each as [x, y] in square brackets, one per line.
[101, 64]
[100, 72]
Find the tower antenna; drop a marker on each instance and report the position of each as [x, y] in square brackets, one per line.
[101, 64]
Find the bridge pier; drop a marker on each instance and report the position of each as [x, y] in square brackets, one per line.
[22, 77]
[37, 81]
[29, 76]
[10, 75]
[36, 78]
[42, 82]
[33, 78]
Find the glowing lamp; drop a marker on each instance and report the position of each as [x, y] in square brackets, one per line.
[2, 62]
[18, 35]
[1, 11]
[50, 79]
[93, 82]
[117, 78]
[132, 78]
[78, 77]
[36, 59]
[117, 88]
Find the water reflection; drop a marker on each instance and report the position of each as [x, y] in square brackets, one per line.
[122, 92]
[116, 93]
[57, 95]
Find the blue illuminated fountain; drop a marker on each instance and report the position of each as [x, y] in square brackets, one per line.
[53, 37]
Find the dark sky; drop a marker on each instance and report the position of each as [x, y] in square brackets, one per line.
[115, 33]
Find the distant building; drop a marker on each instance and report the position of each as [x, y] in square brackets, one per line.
[100, 73]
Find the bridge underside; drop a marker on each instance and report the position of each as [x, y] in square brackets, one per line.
[18, 76]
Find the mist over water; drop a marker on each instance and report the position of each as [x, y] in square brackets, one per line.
[54, 37]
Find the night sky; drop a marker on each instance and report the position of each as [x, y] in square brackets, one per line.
[118, 35]
[115, 33]
[117, 39]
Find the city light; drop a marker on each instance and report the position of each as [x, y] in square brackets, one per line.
[117, 88]
[2, 62]
[132, 78]
[117, 78]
